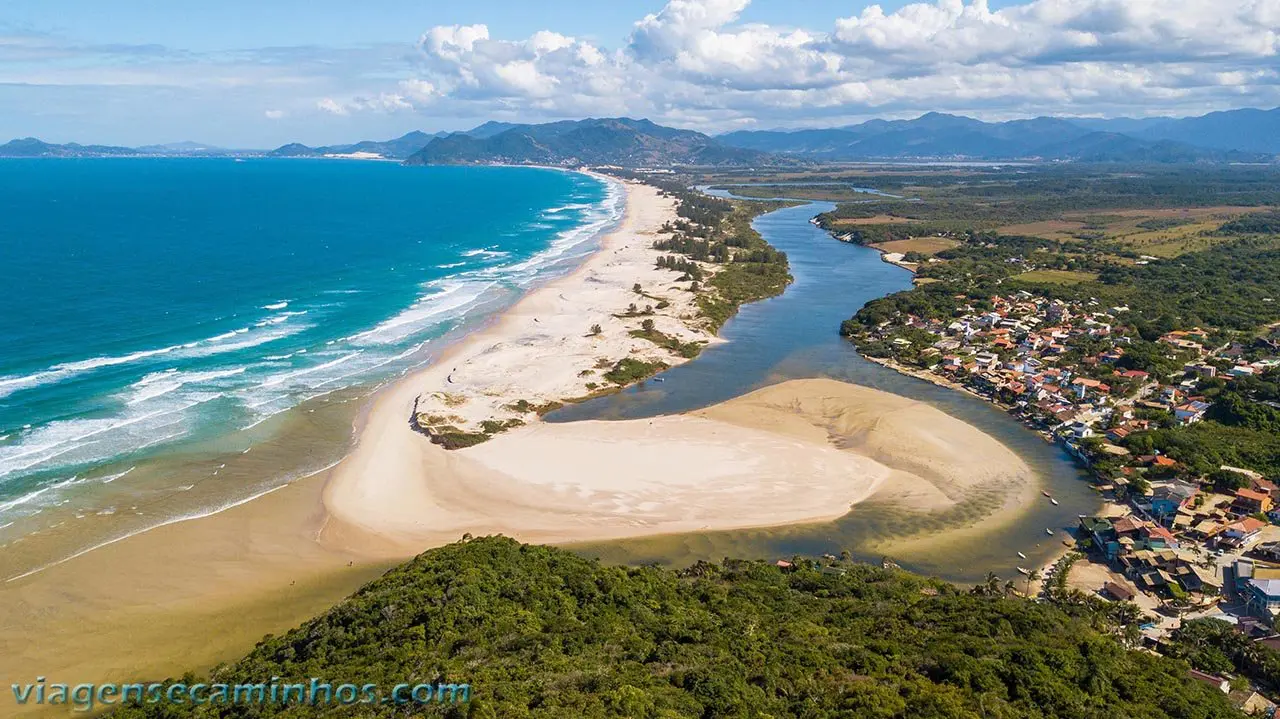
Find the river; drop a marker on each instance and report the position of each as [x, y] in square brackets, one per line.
[796, 335]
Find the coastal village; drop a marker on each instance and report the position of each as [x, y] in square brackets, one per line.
[1175, 540]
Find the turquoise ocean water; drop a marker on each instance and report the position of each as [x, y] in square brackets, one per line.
[152, 304]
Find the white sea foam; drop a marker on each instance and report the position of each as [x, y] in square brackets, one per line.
[113, 477]
[88, 440]
[159, 384]
[451, 265]
[566, 208]
[277, 306]
[450, 298]
[214, 345]
[29, 497]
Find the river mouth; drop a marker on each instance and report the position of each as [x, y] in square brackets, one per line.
[796, 336]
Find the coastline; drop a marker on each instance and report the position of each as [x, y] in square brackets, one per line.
[188, 594]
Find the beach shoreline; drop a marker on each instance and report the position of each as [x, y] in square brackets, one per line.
[186, 595]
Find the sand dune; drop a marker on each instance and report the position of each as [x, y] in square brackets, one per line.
[801, 451]
[186, 595]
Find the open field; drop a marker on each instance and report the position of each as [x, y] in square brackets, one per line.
[923, 245]
[876, 220]
[1048, 229]
[1055, 277]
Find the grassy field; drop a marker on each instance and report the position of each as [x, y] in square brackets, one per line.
[923, 245]
[1059, 230]
[876, 220]
[1054, 277]
[1164, 232]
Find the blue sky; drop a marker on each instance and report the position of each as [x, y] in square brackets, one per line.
[258, 73]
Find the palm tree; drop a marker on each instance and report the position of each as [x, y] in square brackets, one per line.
[1033, 576]
[992, 585]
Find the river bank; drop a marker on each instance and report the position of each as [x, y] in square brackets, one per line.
[189, 594]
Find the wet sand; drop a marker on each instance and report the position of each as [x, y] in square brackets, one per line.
[188, 595]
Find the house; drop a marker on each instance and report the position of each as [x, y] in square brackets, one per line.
[1190, 412]
[1212, 680]
[1252, 703]
[1103, 534]
[1249, 502]
[1168, 498]
[1262, 596]
[1241, 534]
[1119, 592]
[1204, 370]
[1268, 550]
[1118, 434]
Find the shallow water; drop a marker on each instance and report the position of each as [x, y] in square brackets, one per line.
[795, 336]
[186, 333]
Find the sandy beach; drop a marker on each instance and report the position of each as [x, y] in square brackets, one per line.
[190, 594]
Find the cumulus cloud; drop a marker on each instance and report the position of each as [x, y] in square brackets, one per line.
[274, 114]
[382, 102]
[693, 58]
[696, 63]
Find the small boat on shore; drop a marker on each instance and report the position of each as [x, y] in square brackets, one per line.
[1024, 570]
[1020, 554]
[1053, 501]
[1048, 531]
[1045, 492]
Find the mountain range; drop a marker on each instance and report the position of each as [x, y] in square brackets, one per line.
[608, 141]
[397, 149]
[1246, 135]
[1234, 136]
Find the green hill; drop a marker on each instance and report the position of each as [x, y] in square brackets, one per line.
[541, 632]
[608, 141]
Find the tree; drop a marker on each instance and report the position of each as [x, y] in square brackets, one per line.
[636, 288]
[596, 330]
[647, 325]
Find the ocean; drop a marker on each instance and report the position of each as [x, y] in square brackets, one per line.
[165, 314]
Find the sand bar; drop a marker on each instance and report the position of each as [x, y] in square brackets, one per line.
[187, 595]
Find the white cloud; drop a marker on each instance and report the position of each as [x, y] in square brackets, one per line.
[274, 114]
[695, 63]
[332, 107]
[382, 102]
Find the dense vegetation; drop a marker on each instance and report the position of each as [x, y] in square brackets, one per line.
[986, 199]
[541, 632]
[719, 232]
[1215, 646]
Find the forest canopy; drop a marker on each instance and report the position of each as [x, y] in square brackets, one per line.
[541, 632]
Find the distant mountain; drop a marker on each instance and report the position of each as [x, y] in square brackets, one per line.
[1247, 130]
[935, 135]
[490, 128]
[1125, 125]
[606, 141]
[397, 149]
[182, 148]
[31, 147]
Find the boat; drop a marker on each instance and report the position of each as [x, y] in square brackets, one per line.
[658, 379]
[1048, 532]
[1046, 493]
[1024, 570]
[1020, 554]
[1053, 501]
